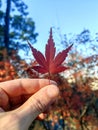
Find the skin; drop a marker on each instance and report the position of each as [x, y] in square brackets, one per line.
[22, 100]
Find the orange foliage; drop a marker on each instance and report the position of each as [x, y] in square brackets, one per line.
[7, 71]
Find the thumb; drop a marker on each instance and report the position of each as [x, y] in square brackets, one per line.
[37, 104]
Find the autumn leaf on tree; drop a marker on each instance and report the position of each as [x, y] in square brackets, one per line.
[50, 63]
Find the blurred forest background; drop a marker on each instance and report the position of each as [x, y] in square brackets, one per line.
[77, 107]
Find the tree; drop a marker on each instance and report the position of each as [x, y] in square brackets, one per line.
[15, 26]
[6, 26]
[1, 26]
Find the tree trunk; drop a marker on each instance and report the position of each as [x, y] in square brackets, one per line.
[7, 23]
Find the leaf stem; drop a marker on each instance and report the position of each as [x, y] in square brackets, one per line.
[49, 77]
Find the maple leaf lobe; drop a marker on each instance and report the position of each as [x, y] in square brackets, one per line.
[50, 49]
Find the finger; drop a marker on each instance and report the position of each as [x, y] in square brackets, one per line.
[45, 113]
[23, 86]
[37, 104]
[1, 110]
[4, 100]
[42, 116]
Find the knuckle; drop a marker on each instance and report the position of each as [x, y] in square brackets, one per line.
[38, 104]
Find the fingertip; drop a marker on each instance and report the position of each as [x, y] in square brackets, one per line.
[53, 91]
[53, 82]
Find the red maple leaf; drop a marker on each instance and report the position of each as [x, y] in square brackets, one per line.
[50, 63]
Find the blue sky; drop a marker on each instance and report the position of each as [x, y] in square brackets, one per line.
[72, 16]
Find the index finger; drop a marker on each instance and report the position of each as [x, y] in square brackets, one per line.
[24, 86]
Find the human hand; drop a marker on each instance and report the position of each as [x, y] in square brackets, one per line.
[22, 100]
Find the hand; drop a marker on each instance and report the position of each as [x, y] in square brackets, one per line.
[22, 100]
